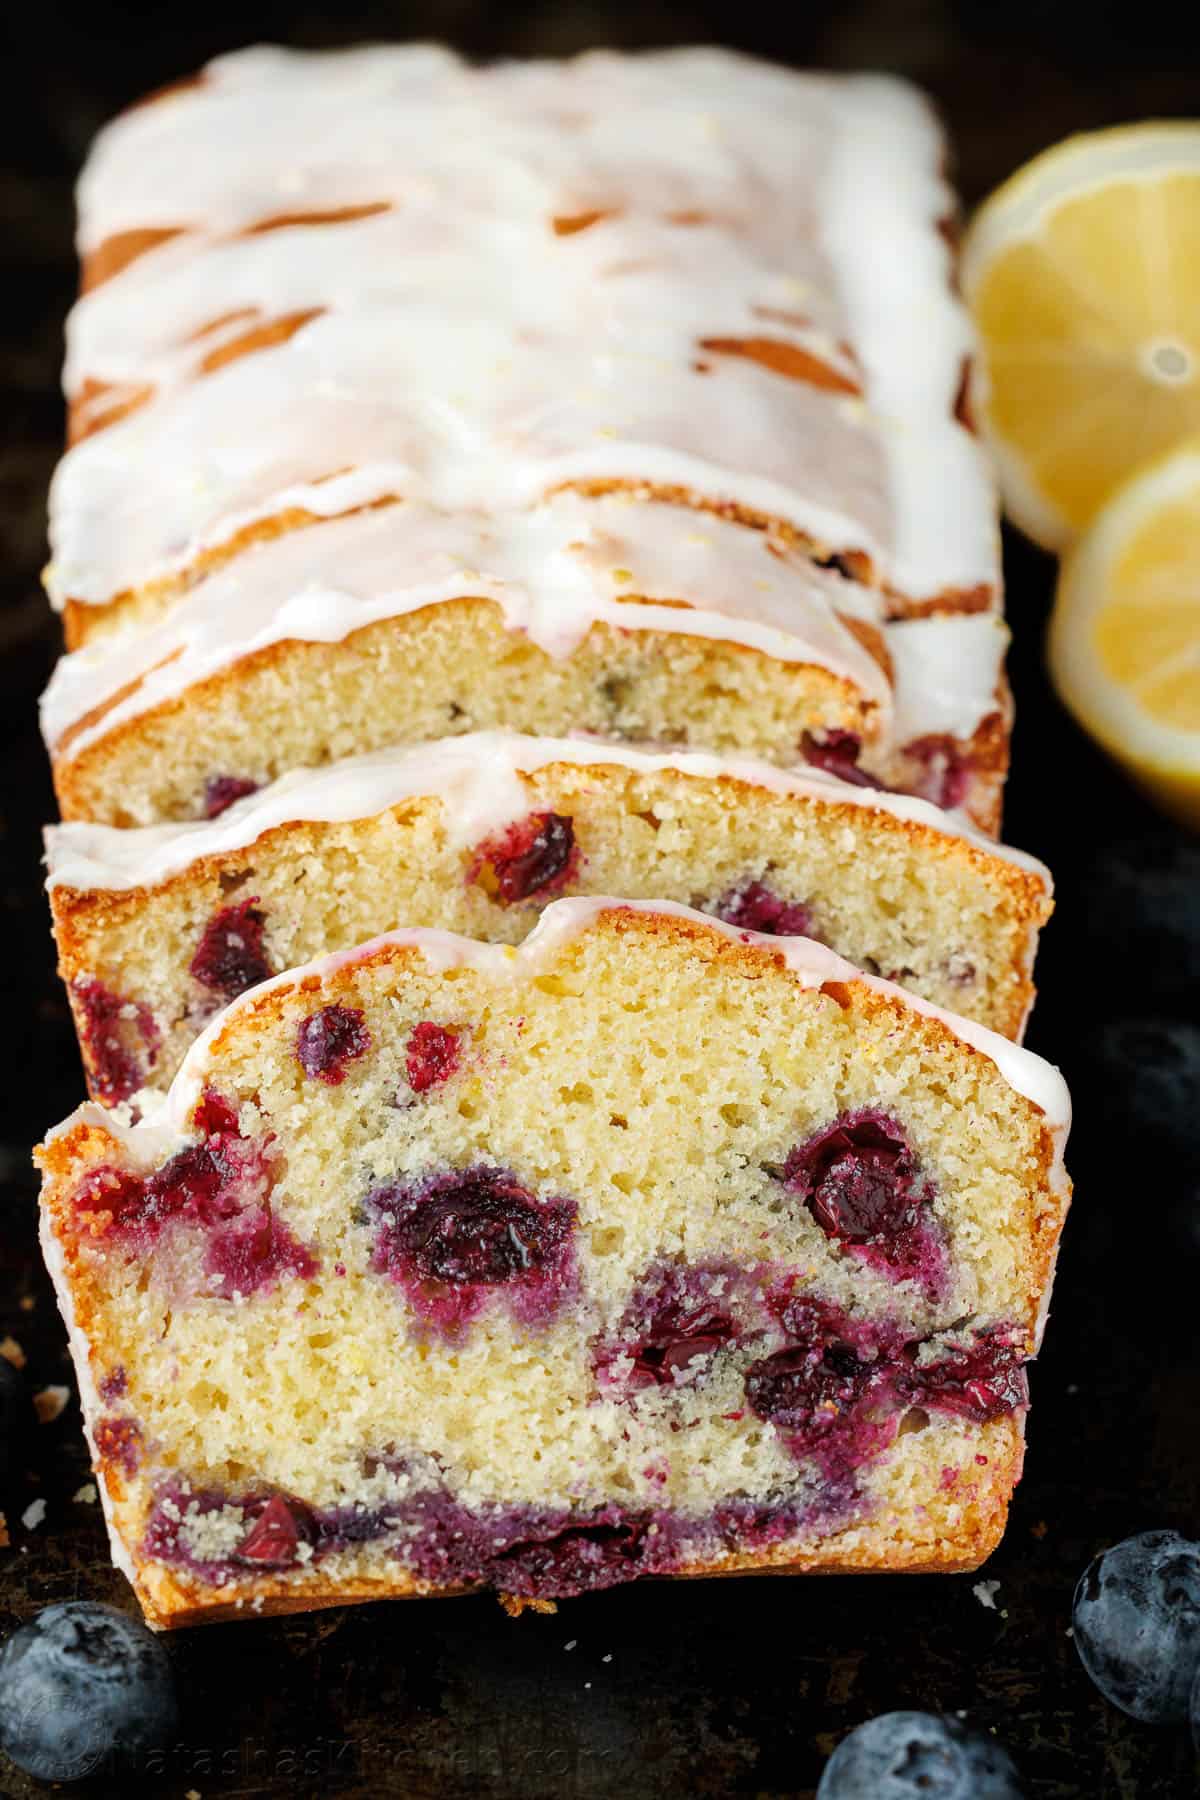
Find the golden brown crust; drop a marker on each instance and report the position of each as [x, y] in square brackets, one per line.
[119, 250]
[85, 417]
[63, 1156]
[978, 599]
[84, 621]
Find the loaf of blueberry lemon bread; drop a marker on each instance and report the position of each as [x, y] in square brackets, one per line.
[159, 927]
[654, 1246]
[702, 475]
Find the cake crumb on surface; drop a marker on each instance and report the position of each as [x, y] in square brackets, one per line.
[12, 1352]
[985, 1592]
[34, 1513]
[49, 1403]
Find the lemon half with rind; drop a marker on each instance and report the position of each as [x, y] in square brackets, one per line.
[1124, 644]
[1083, 275]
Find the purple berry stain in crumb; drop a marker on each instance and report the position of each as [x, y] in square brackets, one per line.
[115, 1384]
[119, 1441]
[532, 1552]
[253, 1252]
[231, 956]
[219, 1187]
[273, 1539]
[120, 1036]
[220, 792]
[861, 1180]
[838, 1389]
[980, 1379]
[329, 1039]
[837, 753]
[535, 856]
[960, 970]
[275, 1526]
[828, 1391]
[753, 906]
[944, 770]
[677, 1321]
[452, 1239]
[431, 1055]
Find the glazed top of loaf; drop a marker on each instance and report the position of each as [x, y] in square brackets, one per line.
[685, 272]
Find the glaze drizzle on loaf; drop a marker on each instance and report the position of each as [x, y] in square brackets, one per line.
[731, 285]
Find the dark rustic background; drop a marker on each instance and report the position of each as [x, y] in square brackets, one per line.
[706, 1689]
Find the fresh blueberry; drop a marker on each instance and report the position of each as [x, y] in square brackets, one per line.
[81, 1687]
[1137, 1624]
[918, 1756]
[1196, 1712]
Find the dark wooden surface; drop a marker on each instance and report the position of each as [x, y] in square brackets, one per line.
[703, 1689]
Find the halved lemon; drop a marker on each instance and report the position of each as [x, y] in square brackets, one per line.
[1124, 644]
[1083, 273]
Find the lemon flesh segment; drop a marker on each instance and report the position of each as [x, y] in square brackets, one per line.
[1124, 642]
[1084, 278]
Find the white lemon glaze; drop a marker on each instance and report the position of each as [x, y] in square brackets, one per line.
[469, 356]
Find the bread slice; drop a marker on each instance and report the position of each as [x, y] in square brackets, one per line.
[157, 928]
[627, 619]
[650, 1247]
[701, 476]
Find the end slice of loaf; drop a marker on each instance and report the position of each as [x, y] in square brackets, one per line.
[650, 1248]
[158, 928]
